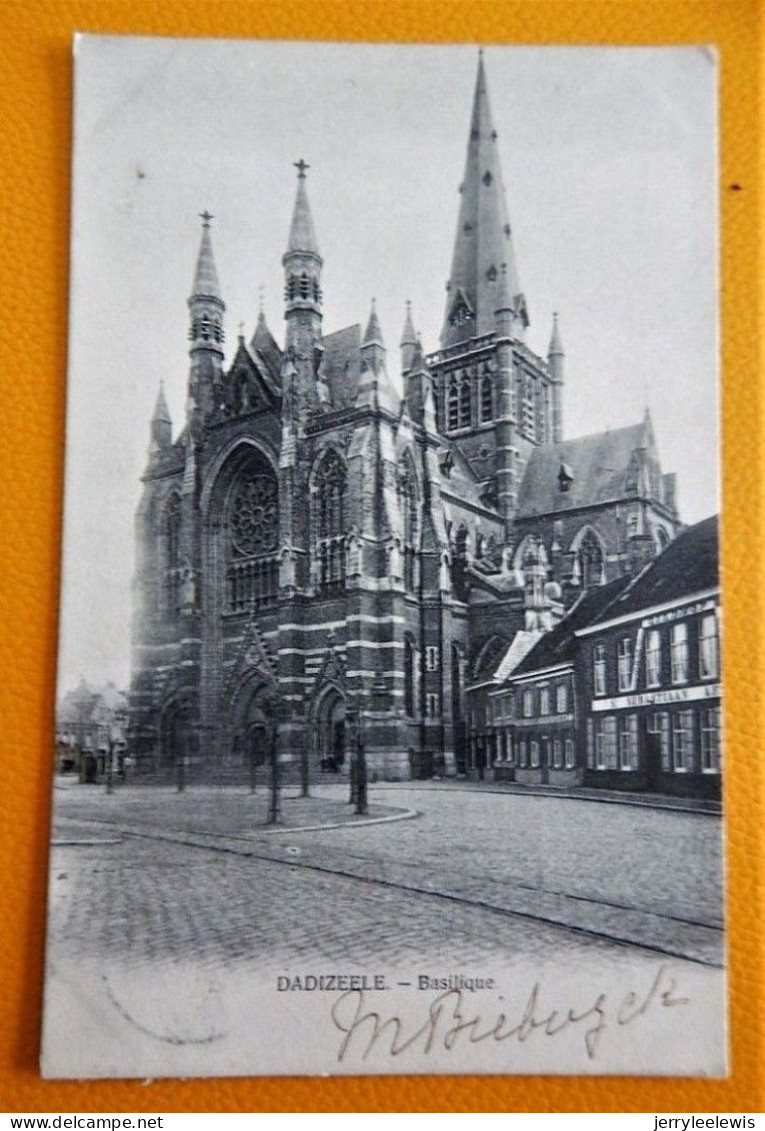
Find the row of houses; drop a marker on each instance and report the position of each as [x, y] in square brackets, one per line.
[91, 728]
[623, 692]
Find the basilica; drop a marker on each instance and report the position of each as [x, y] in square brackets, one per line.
[345, 532]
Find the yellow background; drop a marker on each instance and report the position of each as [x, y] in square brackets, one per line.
[35, 100]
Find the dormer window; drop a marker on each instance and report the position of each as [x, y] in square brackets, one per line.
[565, 477]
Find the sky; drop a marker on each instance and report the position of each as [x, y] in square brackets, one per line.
[609, 158]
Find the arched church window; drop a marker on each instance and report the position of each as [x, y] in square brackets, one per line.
[173, 555]
[487, 398]
[252, 530]
[528, 409]
[465, 413]
[452, 403]
[590, 561]
[408, 677]
[331, 483]
[305, 285]
[407, 496]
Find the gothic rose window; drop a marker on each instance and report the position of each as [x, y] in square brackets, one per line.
[331, 484]
[254, 516]
[253, 537]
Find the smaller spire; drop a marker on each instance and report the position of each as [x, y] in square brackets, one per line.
[556, 345]
[302, 235]
[373, 335]
[161, 424]
[205, 282]
[161, 411]
[408, 336]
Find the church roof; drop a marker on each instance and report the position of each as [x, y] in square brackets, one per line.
[558, 646]
[264, 344]
[483, 241]
[521, 645]
[690, 564]
[342, 364]
[461, 481]
[600, 466]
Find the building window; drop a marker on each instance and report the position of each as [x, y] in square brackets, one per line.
[679, 651]
[628, 742]
[330, 491]
[653, 658]
[544, 700]
[570, 754]
[599, 668]
[465, 414]
[590, 744]
[487, 399]
[409, 678]
[534, 753]
[710, 741]
[557, 754]
[433, 711]
[605, 743]
[624, 663]
[173, 556]
[561, 699]
[431, 658]
[658, 723]
[523, 753]
[528, 703]
[682, 741]
[709, 649]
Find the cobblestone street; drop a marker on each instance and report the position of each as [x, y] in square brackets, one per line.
[493, 875]
[174, 917]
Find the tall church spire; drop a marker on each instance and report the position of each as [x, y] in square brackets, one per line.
[483, 240]
[302, 236]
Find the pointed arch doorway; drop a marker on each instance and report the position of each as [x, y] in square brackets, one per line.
[332, 732]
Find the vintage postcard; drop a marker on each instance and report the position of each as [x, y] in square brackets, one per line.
[389, 713]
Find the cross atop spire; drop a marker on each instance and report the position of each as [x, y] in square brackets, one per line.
[483, 241]
[302, 168]
[206, 217]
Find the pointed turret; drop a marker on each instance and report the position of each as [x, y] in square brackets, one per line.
[373, 347]
[206, 304]
[302, 276]
[555, 363]
[484, 240]
[408, 340]
[161, 424]
[376, 389]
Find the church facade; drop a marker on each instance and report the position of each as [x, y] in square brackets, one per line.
[338, 533]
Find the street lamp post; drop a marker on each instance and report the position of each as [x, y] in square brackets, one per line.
[274, 800]
[180, 767]
[110, 766]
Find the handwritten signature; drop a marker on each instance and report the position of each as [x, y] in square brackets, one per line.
[452, 1019]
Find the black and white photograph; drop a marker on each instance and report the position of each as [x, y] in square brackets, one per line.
[388, 726]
